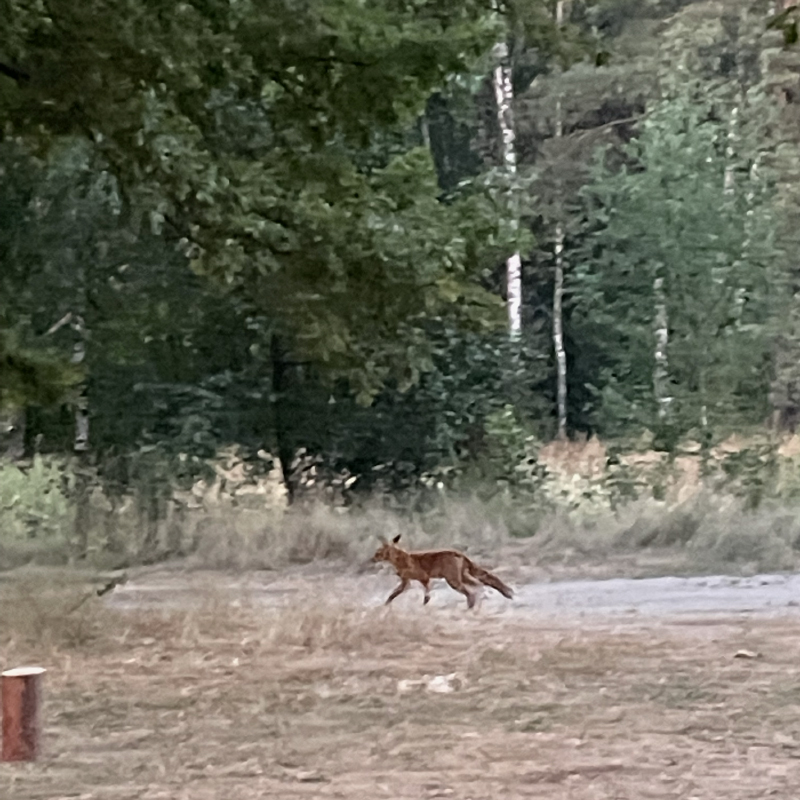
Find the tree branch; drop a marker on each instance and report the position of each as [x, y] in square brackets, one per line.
[18, 75]
[587, 131]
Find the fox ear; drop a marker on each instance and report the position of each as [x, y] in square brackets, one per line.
[396, 539]
[382, 540]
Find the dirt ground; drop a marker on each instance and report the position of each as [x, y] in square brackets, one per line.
[301, 685]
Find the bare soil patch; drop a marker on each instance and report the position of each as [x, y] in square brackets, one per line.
[320, 692]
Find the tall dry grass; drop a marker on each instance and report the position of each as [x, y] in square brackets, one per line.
[704, 534]
[46, 612]
[51, 608]
[709, 532]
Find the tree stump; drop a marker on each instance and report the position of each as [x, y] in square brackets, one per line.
[21, 695]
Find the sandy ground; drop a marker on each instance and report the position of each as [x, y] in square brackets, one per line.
[300, 684]
[561, 599]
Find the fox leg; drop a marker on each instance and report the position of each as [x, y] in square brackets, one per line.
[471, 580]
[426, 585]
[460, 587]
[399, 590]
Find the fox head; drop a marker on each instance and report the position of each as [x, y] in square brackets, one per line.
[384, 552]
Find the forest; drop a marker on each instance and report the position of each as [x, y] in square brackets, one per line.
[393, 252]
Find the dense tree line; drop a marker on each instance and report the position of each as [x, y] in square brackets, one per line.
[285, 226]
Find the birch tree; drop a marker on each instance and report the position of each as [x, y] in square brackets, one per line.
[558, 284]
[504, 99]
[661, 388]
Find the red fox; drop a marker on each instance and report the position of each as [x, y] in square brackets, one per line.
[458, 570]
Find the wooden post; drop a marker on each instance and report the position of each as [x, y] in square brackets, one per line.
[21, 693]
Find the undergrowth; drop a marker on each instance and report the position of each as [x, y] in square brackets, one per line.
[713, 530]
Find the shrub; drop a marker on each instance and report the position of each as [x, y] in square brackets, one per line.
[36, 514]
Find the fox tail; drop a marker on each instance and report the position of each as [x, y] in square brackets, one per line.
[487, 578]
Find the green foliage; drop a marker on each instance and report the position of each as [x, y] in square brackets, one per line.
[510, 459]
[34, 506]
[179, 369]
[273, 142]
[32, 371]
[751, 473]
[666, 217]
[182, 187]
[235, 125]
[33, 376]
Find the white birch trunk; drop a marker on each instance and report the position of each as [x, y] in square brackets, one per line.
[730, 153]
[504, 97]
[426, 134]
[661, 369]
[558, 334]
[558, 288]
